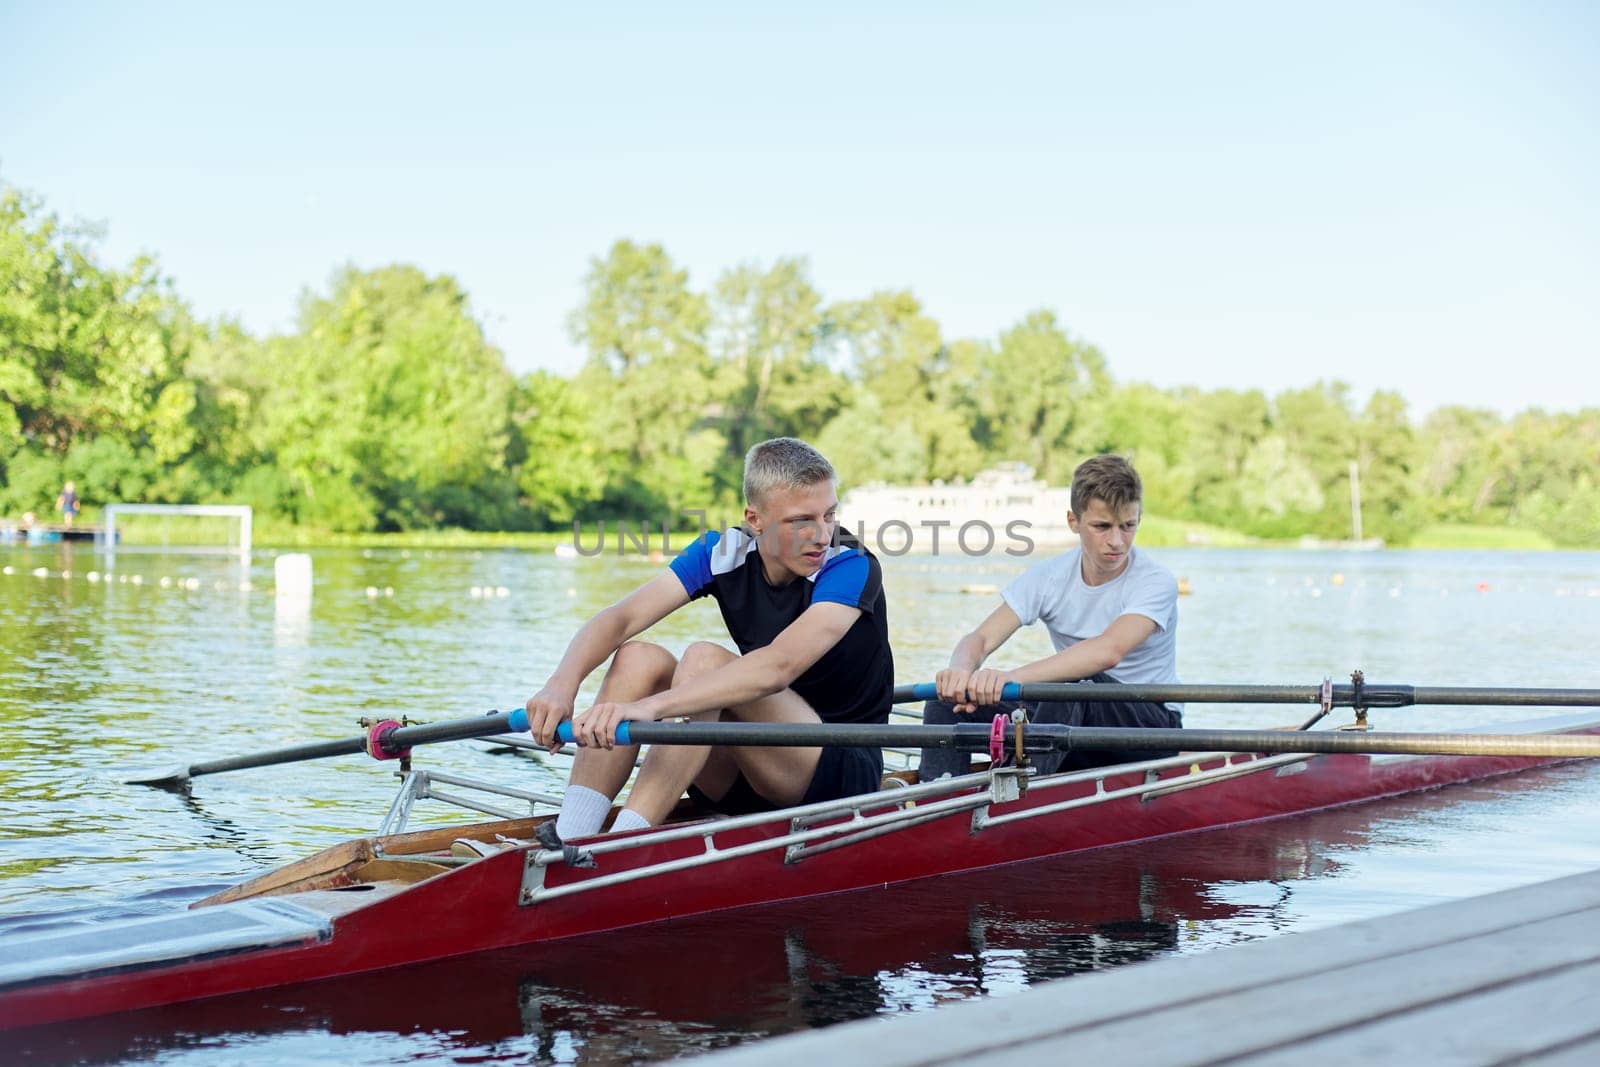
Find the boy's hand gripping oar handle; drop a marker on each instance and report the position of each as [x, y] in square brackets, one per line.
[905, 694]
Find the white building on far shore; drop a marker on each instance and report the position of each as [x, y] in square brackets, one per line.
[1004, 507]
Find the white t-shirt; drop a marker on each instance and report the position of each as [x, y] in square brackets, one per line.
[1053, 592]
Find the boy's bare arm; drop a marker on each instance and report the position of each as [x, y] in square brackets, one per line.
[971, 652]
[1088, 658]
[594, 642]
[760, 673]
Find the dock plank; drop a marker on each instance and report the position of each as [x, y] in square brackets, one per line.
[1493, 1026]
[1301, 1014]
[1291, 992]
[1585, 1053]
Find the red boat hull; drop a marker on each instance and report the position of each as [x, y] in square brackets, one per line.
[477, 907]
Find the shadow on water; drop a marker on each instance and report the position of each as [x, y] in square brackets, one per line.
[711, 981]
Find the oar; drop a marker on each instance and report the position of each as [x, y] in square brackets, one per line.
[1052, 737]
[390, 742]
[1367, 695]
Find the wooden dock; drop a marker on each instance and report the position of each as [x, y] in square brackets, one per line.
[1512, 977]
[12, 532]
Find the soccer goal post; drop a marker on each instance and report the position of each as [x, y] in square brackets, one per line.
[201, 537]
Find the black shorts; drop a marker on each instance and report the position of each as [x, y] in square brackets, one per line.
[841, 772]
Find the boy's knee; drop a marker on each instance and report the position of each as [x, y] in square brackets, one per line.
[643, 656]
[700, 657]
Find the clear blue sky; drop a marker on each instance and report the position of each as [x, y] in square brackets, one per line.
[1245, 195]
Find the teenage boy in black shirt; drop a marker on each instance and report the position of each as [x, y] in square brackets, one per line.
[804, 606]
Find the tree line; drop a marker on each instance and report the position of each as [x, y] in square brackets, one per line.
[387, 408]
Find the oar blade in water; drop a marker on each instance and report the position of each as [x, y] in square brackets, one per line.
[174, 779]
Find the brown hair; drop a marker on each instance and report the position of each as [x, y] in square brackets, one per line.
[783, 463]
[1109, 478]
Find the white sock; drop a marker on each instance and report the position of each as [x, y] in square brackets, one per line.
[628, 819]
[583, 812]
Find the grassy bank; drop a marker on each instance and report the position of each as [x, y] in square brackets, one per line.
[1156, 531]
[287, 536]
[1487, 537]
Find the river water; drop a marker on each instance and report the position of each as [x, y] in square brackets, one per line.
[170, 659]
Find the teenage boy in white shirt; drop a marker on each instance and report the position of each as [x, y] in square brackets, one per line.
[1112, 614]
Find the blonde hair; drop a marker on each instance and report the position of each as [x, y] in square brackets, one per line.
[783, 463]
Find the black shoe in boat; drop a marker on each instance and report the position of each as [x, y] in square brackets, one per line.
[572, 855]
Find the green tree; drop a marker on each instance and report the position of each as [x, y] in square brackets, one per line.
[1320, 432]
[769, 354]
[1386, 456]
[1278, 493]
[389, 409]
[1042, 390]
[865, 447]
[1547, 471]
[893, 350]
[561, 473]
[1222, 427]
[648, 365]
[1147, 425]
[1453, 470]
[92, 366]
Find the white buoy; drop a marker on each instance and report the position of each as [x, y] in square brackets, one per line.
[291, 573]
[41, 572]
[372, 592]
[93, 576]
[501, 591]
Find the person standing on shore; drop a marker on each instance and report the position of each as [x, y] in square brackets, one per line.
[67, 502]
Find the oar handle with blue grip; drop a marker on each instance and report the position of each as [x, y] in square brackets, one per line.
[564, 733]
[929, 691]
[517, 721]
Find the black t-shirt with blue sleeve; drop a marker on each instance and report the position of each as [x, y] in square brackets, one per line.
[853, 680]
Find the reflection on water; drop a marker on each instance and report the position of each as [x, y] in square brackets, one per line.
[100, 680]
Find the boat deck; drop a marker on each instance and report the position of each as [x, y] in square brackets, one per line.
[1508, 977]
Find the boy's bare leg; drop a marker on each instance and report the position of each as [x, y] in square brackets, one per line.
[639, 669]
[779, 774]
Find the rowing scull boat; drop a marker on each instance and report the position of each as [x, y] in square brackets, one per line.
[401, 898]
